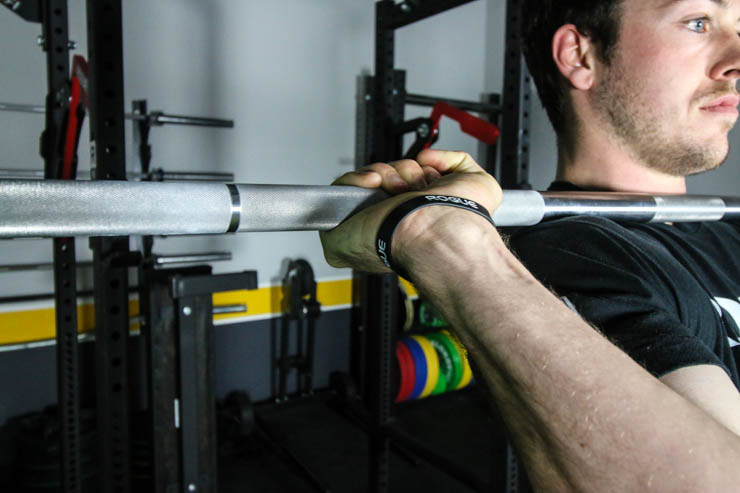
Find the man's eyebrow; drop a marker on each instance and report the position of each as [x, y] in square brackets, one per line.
[721, 3]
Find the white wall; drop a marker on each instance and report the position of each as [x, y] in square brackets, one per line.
[285, 71]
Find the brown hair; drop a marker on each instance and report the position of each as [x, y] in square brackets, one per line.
[597, 19]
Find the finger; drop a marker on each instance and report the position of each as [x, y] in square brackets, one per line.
[430, 174]
[360, 178]
[376, 175]
[449, 161]
[391, 180]
[412, 173]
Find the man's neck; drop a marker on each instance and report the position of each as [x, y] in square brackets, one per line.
[598, 162]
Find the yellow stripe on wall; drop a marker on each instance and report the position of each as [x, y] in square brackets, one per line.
[38, 324]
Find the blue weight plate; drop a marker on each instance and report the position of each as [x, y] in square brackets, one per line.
[420, 364]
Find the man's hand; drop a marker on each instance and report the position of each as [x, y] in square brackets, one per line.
[352, 243]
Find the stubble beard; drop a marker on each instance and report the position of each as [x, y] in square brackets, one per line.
[646, 136]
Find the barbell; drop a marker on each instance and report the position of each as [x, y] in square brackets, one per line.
[49, 208]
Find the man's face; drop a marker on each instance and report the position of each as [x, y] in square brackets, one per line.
[669, 92]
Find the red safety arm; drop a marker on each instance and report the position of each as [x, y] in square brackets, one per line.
[77, 105]
[472, 125]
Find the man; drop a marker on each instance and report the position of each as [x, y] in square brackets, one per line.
[583, 415]
[643, 94]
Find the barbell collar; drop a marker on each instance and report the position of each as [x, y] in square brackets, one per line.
[32, 208]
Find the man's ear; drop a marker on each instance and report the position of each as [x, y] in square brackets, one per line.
[573, 53]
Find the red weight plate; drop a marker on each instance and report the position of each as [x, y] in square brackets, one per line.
[405, 361]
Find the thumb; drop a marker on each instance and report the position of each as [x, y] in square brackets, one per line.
[448, 161]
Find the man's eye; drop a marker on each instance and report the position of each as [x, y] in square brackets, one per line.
[700, 25]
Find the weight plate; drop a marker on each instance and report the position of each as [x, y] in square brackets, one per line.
[397, 373]
[467, 374]
[408, 374]
[446, 366]
[420, 365]
[429, 317]
[430, 355]
[412, 371]
[457, 361]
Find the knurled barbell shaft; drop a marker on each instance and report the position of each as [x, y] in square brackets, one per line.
[32, 208]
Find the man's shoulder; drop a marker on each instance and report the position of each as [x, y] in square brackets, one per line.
[574, 230]
[586, 244]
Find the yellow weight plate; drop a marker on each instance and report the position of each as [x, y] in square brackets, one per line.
[432, 364]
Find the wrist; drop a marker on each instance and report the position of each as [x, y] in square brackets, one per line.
[384, 242]
[438, 242]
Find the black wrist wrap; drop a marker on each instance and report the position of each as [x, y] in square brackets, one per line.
[394, 218]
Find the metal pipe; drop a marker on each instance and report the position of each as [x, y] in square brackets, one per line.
[156, 117]
[159, 260]
[40, 266]
[113, 208]
[22, 108]
[160, 175]
[154, 175]
[221, 309]
[159, 118]
[421, 100]
[192, 258]
[217, 310]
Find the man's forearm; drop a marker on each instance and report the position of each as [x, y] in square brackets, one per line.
[582, 414]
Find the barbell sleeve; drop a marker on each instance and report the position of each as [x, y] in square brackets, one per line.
[156, 117]
[159, 260]
[32, 208]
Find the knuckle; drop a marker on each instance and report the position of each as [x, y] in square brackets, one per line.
[408, 166]
[380, 168]
[465, 157]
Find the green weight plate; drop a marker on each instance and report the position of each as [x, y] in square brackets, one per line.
[446, 368]
[429, 317]
[457, 364]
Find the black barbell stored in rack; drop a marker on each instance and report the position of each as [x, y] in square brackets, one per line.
[32, 208]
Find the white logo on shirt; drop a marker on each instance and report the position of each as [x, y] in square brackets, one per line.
[733, 308]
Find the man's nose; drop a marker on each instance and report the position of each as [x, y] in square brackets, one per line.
[728, 65]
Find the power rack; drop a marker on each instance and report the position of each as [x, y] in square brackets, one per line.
[381, 104]
[187, 289]
[52, 15]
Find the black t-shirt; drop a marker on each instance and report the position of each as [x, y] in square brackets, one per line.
[668, 295]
